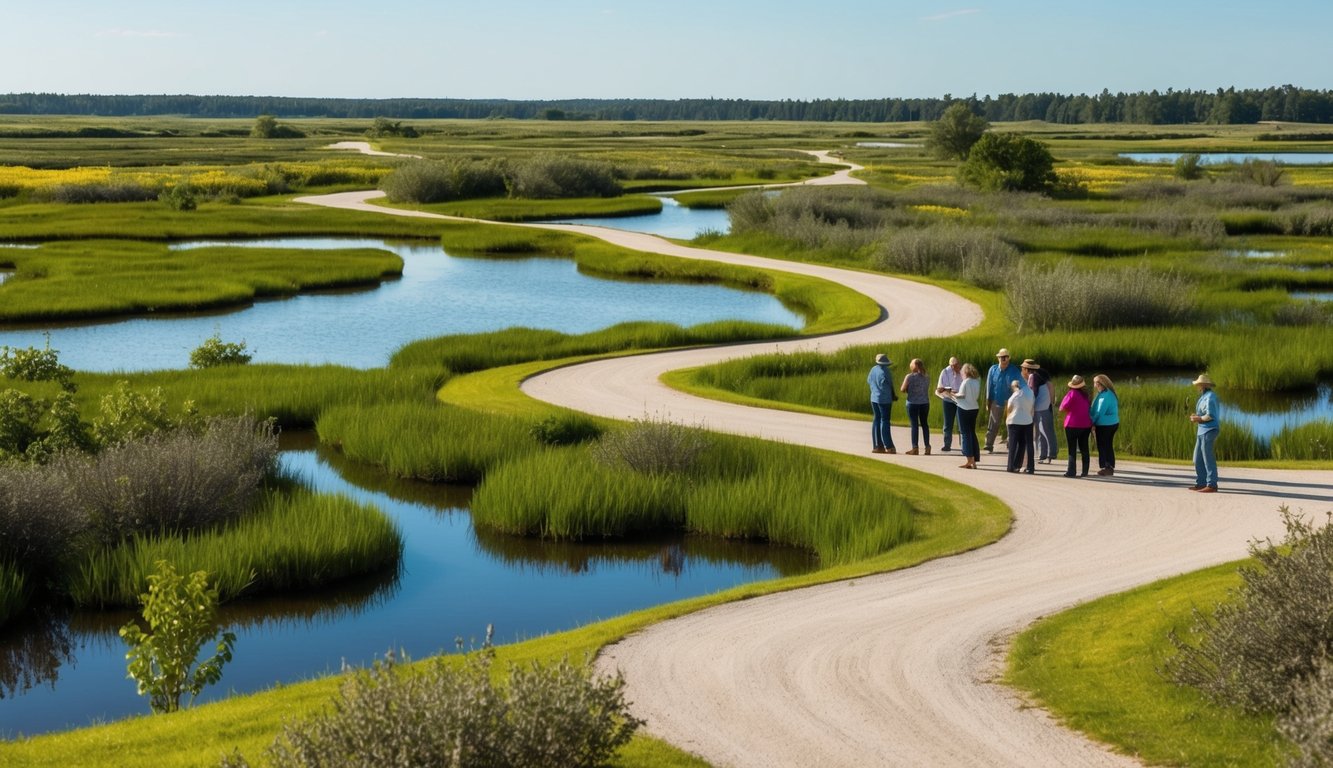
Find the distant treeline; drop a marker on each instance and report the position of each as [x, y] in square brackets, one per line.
[1285, 103]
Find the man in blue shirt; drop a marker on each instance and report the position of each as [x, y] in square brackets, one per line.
[999, 386]
[1207, 412]
[881, 400]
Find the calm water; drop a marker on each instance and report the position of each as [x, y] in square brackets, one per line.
[1312, 295]
[1218, 158]
[68, 671]
[674, 221]
[1265, 413]
[438, 294]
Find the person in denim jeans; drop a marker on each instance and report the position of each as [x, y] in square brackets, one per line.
[1207, 414]
[917, 387]
[999, 386]
[881, 400]
[950, 382]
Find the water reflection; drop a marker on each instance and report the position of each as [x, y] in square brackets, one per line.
[60, 671]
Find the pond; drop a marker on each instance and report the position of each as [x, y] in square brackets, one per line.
[64, 671]
[1222, 158]
[1312, 295]
[438, 294]
[674, 221]
[1264, 413]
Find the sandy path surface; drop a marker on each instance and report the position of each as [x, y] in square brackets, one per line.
[898, 669]
[364, 148]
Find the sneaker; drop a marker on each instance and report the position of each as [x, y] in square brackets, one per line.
[1208, 489]
[912, 452]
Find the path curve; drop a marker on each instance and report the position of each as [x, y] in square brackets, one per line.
[898, 669]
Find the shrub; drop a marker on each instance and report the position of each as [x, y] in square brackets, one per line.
[33, 364]
[449, 714]
[129, 415]
[114, 191]
[954, 134]
[425, 182]
[653, 445]
[1007, 161]
[565, 428]
[181, 614]
[1308, 725]
[553, 176]
[1265, 173]
[178, 198]
[38, 518]
[1258, 647]
[1064, 297]
[976, 256]
[214, 352]
[172, 481]
[1188, 167]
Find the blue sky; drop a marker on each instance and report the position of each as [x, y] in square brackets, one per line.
[524, 49]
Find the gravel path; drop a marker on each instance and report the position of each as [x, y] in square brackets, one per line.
[898, 669]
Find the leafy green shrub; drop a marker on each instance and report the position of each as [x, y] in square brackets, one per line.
[214, 352]
[653, 445]
[1259, 646]
[426, 181]
[127, 414]
[179, 197]
[1188, 167]
[447, 714]
[953, 135]
[1065, 297]
[383, 126]
[33, 364]
[176, 480]
[1007, 161]
[1308, 725]
[976, 256]
[1265, 173]
[181, 614]
[565, 428]
[554, 176]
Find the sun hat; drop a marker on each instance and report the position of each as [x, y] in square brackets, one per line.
[1031, 365]
[1204, 380]
[1002, 353]
[881, 359]
[1076, 382]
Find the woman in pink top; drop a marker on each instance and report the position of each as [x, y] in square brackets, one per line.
[1078, 423]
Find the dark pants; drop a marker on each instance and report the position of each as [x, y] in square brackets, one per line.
[1106, 445]
[879, 426]
[1047, 447]
[1076, 439]
[916, 417]
[1020, 447]
[967, 432]
[950, 418]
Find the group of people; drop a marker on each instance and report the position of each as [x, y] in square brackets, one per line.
[1021, 407]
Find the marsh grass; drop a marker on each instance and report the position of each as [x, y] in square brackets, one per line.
[739, 489]
[14, 590]
[293, 541]
[1063, 296]
[425, 440]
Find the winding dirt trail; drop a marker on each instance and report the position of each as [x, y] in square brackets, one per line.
[898, 669]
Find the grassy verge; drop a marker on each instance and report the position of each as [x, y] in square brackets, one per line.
[1095, 668]
[516, 209]
[99, 278]
[956, 519]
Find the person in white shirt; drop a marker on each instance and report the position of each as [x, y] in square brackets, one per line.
[1019, 413]
[950, 381]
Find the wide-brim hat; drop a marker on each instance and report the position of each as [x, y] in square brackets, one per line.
[1077, 382]
[1031, 365]
[1204, 380]
[1002, 353]
[882, 359]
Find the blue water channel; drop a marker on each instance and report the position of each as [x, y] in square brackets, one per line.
[438, 294]
[65, 671]
[1223, 158]
[675, 221]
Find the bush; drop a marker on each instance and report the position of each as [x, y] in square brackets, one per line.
[565, 428]
[1064, 297]
[129, 415]
[214, 352]
[1265, 173]
[1188, 167]
[954, 134]
[172, 481]
[114, 191]
[425, 182]
[653, 445]
[33, 364]
[448, 714]
[178, 198]
[976, 256]
[553, 176]
[1308, 725]
[38, 518]
[1259, 648]
[1009, 162]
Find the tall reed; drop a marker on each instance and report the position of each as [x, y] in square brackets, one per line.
[14, 590]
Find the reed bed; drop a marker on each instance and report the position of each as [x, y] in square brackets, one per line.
[293, 541]
[1306, 442]
[425, 441]
[14, 590]
[739, 489]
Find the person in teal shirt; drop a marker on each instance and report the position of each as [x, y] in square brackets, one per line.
[1207, 413]
[1105, 422]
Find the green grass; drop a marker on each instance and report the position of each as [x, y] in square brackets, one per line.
[99, 278]
[339, 539]
[518, 209]
[955, 518]
[1095, 668]
[714, 198]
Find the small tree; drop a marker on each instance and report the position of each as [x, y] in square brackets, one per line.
[1009, 162]
[953, 135]
[215, 352]
[181, 614]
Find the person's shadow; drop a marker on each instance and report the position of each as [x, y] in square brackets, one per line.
[1275, 489]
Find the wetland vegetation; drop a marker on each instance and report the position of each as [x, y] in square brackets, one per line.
[91, 205]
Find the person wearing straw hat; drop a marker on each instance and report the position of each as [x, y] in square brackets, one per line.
[1078, 424]
[1207, 412]
[881, 401]
[1043, 422]
[999, 383]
